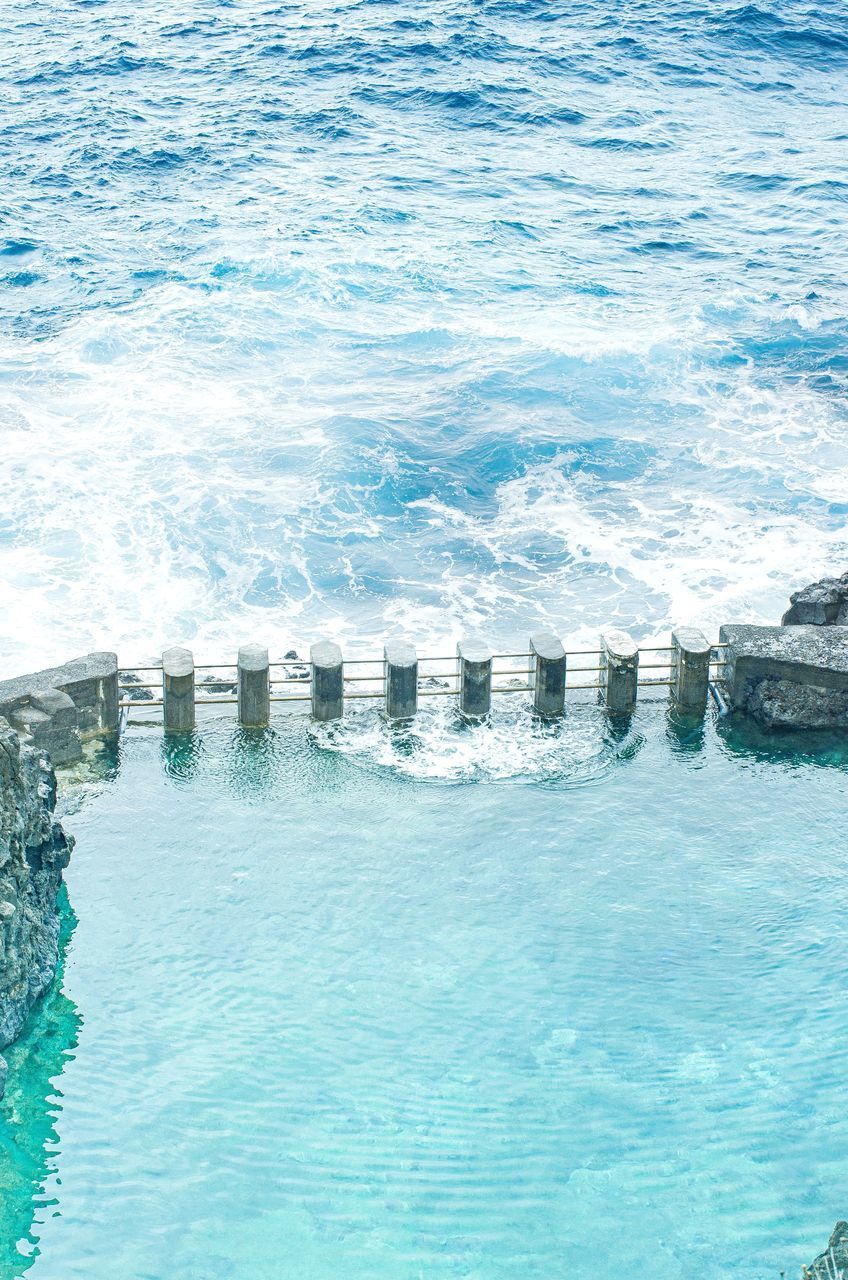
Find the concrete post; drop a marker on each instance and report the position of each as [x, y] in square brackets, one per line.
[474, 665]
[690, 669]
[400, 665]
[178, 690]
[109, 712]
[547, 674]
[254, 687]
[327, 681]
[619, 672]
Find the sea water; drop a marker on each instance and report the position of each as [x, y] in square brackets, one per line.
[325, 1016]
[347, 317]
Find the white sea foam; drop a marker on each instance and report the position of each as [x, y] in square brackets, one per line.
[155, 475]
[511, 746]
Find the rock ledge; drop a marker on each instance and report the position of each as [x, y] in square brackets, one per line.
[34, 851]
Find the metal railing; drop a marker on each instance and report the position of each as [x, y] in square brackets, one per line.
[227, 675]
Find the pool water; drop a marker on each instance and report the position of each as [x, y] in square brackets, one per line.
[335, 1005]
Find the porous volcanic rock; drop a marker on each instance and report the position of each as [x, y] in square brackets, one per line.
[821, 604]
[34, 850]
[784, 704]
[834, 1261]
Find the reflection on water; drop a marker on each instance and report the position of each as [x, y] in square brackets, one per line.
[29, 1114]
[742, 736]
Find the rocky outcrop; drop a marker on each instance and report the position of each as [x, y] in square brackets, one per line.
[821, 604]
[34, 851]
[833, 1263]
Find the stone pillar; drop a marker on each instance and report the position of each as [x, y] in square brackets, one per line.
[327, 681]
[619, 672]
[547, 674]
[254, 687]
[400, 665]
[474, 665]
[108, 696]
[690, 669]
[178, 690]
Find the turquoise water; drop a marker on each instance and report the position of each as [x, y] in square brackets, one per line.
[581, 1016]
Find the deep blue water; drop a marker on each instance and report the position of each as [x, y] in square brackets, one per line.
[347, 318]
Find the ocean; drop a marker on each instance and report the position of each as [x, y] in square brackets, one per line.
[360, 319]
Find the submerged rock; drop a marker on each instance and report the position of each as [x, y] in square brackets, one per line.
[4, 1071]
[821, 604]
[139, 692]
[300, 671]
[833, 1263]
[214, 684]
[34, 850]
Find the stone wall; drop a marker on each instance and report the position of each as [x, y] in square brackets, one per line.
[56, 709]
[34, 850]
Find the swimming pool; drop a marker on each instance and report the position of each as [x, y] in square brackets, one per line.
[493, 1002]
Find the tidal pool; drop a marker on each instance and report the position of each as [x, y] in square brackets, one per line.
[490, 1003]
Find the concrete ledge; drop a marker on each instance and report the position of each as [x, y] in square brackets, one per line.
[90, 682]
[59, 706]
[789, 676]
[49, 721]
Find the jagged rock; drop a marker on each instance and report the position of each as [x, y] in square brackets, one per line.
[214, 684]
[34, 851]
[821, 604]
[139, 692]
[299, 672]
[784, 704]
[833, 1263]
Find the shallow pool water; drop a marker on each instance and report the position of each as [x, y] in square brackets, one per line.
[323, 1015]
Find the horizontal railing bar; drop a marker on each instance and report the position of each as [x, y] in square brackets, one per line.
[150, 704]
[352, 662]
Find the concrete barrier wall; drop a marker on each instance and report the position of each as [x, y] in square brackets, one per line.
[793, 676]
[57, 709]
